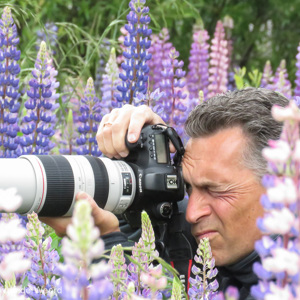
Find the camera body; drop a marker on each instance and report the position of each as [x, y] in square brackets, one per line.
[159, 179]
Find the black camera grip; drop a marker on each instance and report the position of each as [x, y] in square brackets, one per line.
[139, 144]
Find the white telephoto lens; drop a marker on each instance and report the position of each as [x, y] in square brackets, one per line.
[49, 184]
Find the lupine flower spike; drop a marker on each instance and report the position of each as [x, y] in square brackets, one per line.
[172, 85]
[267, 76]
[13, 264]
[38, 123]
[118, 275]
[135, 66]
[159, 49]
[48, 34]
[197, 77]
[203, 286]
[110, 81]
[281, 82]
[41, 276]
[279, 247]
[89, 118]
[218, 69]
[80, 278]
[68, 136]
[297, 80]
[176, 290]
[9, 85]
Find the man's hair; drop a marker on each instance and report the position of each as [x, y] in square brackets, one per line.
[250, 109]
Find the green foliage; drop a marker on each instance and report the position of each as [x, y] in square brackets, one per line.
[254, 78]
[261, 32]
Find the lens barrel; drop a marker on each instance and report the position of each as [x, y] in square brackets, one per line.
[48, 184]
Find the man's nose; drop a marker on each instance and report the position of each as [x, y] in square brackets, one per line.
[198, 207]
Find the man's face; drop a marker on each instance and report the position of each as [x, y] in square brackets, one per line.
[224, 196]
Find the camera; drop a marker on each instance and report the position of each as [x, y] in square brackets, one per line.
[148, 179]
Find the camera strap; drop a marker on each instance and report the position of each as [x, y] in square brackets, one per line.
[176, 245]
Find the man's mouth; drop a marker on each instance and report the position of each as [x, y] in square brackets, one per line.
[205, 234]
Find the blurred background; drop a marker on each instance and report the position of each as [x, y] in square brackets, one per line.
[78, 31]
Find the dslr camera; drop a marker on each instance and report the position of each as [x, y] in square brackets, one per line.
[148, 179]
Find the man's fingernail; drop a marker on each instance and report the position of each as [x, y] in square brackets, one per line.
[131, 137]
[123, 154]
[82, 195]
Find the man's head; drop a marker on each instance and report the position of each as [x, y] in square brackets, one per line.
[223, 166]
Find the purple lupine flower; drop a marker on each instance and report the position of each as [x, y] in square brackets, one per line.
[267, 79]
[135, 77]
[41, 275]
[203, 286]
[172, 85]
[90, 118]
[110, 81]
[38, 124]
[9, 85]
[218, 62]
[159, 49]
[197, 77]
[280, 258]
[154, 100]
[231, 293]
[281, 82]
[297, 80]
[80, 278]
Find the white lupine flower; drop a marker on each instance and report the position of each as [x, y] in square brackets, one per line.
[280, 153]
[284, 192]
[12, 293]
[279, 221]
[11, 230]
[13, 263]
[9, 200]
[282, 260]
[279, 293]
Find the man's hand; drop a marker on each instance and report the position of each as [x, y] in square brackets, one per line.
[113, 128]
[106, 221]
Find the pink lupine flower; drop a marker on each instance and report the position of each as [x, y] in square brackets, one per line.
[154, 278]
[279, 151]
[296, 154]
[290, 112]
[218, 62]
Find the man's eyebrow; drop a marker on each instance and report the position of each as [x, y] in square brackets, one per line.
[204, 184]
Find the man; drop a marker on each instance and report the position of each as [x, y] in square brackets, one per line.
[222, 167]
